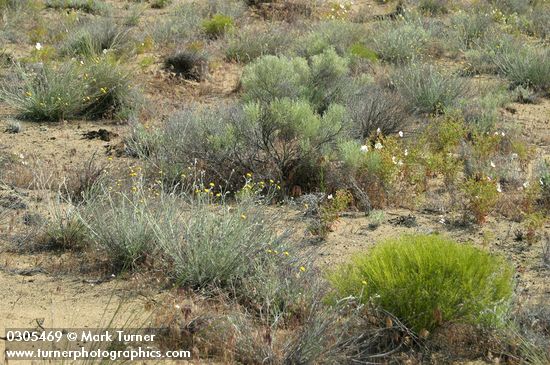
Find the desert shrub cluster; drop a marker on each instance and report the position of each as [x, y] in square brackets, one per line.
[325, 108]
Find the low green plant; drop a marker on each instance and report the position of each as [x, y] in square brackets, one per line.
[217, 25]
[329, 212]
[363, 52]
[427, 280]
[481, 195]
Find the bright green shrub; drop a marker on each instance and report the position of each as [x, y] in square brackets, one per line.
[428, 280]
[217, 25]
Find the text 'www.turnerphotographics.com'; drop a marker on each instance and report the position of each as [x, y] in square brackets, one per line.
[74, 344]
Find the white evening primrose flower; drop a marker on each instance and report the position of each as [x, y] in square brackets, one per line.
[400, 134]
[364, 148]
[329, 197]
[378, 146]
[38, 46]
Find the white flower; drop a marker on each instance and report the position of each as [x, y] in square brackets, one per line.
[105, 51]
[394, 160]
[442, 220]
[364, 148]
[541, 182]
[329, 197]
[177, 306]
[502, 134]
[406, 152]
[526, 184]
[493, 164]
[399, 163]
[378, 131]
[400, 134]
[38, 46]
[499, 188]
[22, 156]
[378, 145]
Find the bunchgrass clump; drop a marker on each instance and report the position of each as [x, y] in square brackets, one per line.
[428, 280]
[98, 89]
[249, 43]
[96, 38]
[400, 42]
[526, 66]
[337, 34]
[428, 90]
[128, 225]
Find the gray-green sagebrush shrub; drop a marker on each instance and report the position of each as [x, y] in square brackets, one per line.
[322, 81]
[275, 140]
[428, 280]
[97, 89]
